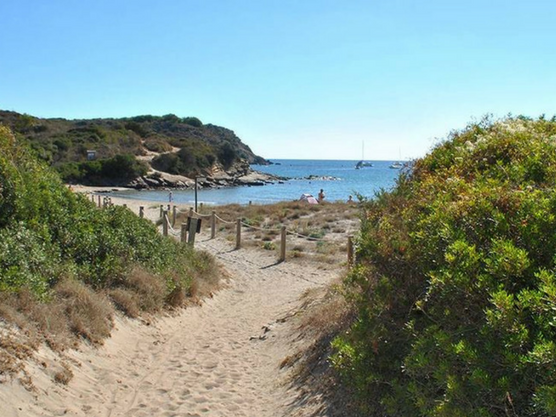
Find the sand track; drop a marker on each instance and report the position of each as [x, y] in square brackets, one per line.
[220, 359]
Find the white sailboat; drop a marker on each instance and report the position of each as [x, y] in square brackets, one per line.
[397, 164]
[362, 163]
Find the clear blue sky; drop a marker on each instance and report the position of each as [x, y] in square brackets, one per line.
[293, 79]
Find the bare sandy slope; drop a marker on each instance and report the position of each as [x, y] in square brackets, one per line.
[220, 359]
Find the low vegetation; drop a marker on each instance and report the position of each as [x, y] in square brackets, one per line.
[310, 231]
[66, 265]
[455, 291]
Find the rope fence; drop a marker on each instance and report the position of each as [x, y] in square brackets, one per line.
[168, 217]
[282, 231]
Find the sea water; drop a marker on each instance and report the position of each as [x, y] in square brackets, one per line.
[338, 179]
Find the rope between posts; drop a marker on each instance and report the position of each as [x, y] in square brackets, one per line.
[201, 215]
[313, 239]
[222, 220]
[259, 228]
[172, 230]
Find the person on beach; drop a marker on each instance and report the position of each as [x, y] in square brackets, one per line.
[170, 197]
[350, 200]
[321, 196]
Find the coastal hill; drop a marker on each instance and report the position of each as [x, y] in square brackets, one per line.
[142, 152]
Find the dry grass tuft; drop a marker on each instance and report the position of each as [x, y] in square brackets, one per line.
[37, 321]
[89, 314]
[206, 275]
[325, 315]
[150, 289]
[12, 351]
[140, 291]
[125, 301]
[290, 360]
[64, 375]
[177, 297]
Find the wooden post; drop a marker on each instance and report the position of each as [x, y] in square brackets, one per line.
[238, 234]
[183, 236]
[193, 229]
[350, 252]
[196, 193]
[213, 224]
[161, 210]
[282, 244]
[141, 211]
[165, 224]
[190, 212]
[99, 201]
[173, 216]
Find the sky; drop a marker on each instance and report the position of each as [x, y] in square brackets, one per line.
[303, 79]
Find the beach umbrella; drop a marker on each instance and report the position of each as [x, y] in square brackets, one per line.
[308, 198]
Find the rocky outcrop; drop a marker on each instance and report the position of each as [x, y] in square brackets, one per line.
[240, 174]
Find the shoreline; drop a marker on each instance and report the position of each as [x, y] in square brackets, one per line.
[151, 207]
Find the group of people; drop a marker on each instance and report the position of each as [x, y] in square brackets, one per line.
[320, 197]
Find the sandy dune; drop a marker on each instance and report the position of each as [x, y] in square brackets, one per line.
[220, 359]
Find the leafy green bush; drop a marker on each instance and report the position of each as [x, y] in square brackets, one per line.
[137, 128]
[192, 121]
[227, 154]
[48, 233]
[455, 291]
[121, 168]
[192, 159]
[157, 145]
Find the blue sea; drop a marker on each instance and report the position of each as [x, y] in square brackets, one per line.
[338, 179]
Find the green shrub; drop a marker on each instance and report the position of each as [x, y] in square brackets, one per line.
[227, 154]
[456, 287]
[119, 168]
[192, 121]
[48, 233]
[157, 145]
[192, 159]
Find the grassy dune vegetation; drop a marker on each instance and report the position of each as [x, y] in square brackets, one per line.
[318, 232]
[66, 265]
[456, 289]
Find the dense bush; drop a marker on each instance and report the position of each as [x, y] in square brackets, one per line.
[48, 233]
[159, 145]
[120, 169]
[192, 159]
[455, 291]
[227, 154]
[192, 121]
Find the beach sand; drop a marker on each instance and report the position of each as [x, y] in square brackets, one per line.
[222, 358]
[151, 208]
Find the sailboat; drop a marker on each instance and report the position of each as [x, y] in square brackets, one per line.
[362, 163]
[397, 164]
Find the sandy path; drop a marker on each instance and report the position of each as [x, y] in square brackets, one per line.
[221, 359]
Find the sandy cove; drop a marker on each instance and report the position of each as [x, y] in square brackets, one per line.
[220, 359]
